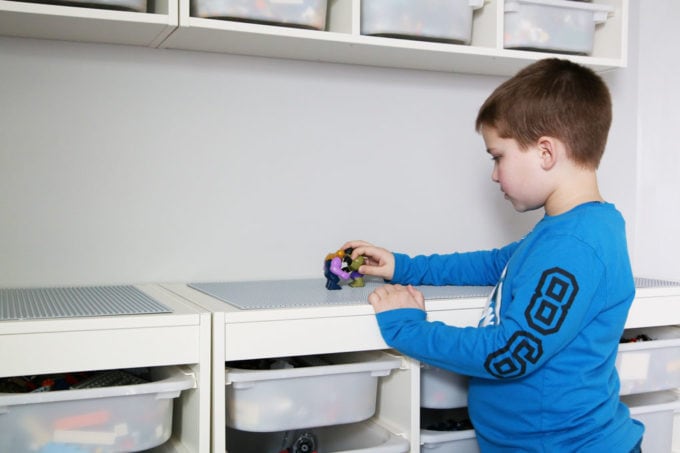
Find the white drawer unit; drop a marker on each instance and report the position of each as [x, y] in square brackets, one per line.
[88, 329]
[275, 319]
[296, 318]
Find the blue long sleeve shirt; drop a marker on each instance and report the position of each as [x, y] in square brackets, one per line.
[542, 360]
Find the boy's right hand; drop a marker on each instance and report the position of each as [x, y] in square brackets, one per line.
[379, 261]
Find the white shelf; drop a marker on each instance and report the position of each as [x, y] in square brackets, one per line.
[75, 23]
[343, 42]
[171, 26]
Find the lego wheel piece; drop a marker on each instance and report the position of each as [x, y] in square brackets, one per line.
[305, 443]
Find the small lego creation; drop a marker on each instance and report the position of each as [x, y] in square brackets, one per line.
[340, 267]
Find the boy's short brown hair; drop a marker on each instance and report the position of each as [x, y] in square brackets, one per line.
[556, 98]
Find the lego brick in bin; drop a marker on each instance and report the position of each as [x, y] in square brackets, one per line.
[552, 25]
[292, 13]
[106, 419]
[434, 20]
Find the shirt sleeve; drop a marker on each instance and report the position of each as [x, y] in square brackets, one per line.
[549, 302]
[481, 268]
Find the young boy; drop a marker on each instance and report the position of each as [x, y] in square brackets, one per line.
[541, 362]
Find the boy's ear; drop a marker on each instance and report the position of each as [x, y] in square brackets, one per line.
[548, 152]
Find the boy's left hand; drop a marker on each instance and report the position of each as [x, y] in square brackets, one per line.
[391, 297]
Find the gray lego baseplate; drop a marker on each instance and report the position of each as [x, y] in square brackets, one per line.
[46, 303]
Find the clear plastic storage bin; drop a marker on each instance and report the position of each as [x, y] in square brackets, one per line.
[365, 437]
[552, 25]
[438, 20]
[292, 13]
[650, 366]
[107, 419]
[446, 437]
[656, 411]
[342, 389]
[125, 5]
[441, 389]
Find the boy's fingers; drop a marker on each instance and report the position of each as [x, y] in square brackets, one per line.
[354, 244]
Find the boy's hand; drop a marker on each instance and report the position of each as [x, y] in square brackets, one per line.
[379, 262]
[391, 297]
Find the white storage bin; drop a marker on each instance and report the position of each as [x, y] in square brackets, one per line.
[650, 366]
[439, 20]
[344, 391]
[441, 389]
[552, 25]
[442, 441]
[131, 5]
[293, 13]
[366, 437]
[108, 419]
[656, 411]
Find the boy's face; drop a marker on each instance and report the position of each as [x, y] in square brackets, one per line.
[519, 172]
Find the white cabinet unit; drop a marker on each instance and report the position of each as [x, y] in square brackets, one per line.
[298, 328]
[326, 327]
[170, 24]
[344, 43]
[177, 340]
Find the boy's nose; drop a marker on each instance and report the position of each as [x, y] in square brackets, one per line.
[494, 174]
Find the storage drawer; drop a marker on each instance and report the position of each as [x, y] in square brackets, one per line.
[126, 5]
[552, 25]
[441, 389]
[106, 419]
[365, 437]
[439, 20]
[445, 431]
[655, 410]
[316, 391]
[649, 366]
[293, 13]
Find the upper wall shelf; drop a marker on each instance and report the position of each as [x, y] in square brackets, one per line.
[75, 23]
[172, 26]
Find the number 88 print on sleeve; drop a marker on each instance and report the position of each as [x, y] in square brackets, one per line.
[547, 310]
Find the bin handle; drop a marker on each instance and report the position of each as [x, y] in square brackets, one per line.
[476, 4]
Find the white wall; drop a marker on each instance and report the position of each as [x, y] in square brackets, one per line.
[658, 213]
[125, 164]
